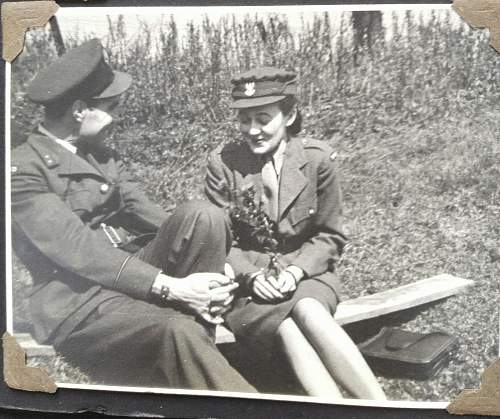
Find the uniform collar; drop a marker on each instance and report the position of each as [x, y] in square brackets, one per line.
[278, 157]
[292, 155]
[66, 144]
[53, 155]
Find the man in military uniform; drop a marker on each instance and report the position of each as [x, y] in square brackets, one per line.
[121, 289]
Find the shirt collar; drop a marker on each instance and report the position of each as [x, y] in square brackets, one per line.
[279, 156]
[66, 144]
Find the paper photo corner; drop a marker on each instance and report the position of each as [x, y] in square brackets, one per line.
[484, 401]
[481, 14]
[18, 17]
[17, 374]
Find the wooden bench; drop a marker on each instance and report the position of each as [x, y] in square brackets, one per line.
[386, 302]
[32, 347]
[350, 311]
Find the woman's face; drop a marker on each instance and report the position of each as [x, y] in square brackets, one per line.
[263, 127]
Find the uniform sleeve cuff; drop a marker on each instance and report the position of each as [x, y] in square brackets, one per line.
[306, 266]
[298, 273]
[136, 278]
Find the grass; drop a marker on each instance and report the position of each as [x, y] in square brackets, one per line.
[59, 369]
[416, 131]
[424, 210]
[412, 211]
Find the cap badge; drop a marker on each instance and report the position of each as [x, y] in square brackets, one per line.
[249, 89]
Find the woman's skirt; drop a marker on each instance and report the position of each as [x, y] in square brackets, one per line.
[255, 322]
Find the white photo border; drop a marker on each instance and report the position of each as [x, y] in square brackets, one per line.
[133, 10]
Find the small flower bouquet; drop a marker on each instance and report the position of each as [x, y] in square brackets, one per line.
[252, 227]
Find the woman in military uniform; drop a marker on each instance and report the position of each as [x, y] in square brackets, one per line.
[294, 181]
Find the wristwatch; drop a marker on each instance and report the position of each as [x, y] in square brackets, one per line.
[160, 292]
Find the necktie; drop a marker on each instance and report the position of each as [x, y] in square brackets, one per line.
[270, 189]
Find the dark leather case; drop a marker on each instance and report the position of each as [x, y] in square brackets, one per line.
[401, 353]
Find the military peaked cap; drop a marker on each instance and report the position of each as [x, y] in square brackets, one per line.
[81, 73]
[262, 86]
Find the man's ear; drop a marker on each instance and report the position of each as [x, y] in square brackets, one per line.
[292, 115]
[79, 109]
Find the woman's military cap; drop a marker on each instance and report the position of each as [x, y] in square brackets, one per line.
[262, 86]
[81, 73]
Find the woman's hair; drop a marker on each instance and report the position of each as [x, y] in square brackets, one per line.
[286, 105]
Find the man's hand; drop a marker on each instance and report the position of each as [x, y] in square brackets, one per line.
[266, 288]
[218, 310]
[199, 291]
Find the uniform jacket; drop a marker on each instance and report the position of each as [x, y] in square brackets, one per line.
[59, 200]
[310, 205]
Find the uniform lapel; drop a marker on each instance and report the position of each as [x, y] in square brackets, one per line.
[54, 154]
[102, 169]
[292, 178]
[77, 165]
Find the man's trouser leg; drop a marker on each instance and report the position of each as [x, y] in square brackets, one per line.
[132, 342]
[196, 238]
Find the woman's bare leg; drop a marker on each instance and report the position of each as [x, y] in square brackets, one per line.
[305, 362]
[336, 350]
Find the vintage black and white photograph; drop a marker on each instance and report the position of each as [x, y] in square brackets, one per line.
[268, 202]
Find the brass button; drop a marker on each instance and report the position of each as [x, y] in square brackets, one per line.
[104, 188]
[311, 211]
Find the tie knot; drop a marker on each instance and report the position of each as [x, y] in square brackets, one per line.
[266, 158]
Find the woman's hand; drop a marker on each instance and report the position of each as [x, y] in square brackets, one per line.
[289, 279]
[266, 288]
[288, 283]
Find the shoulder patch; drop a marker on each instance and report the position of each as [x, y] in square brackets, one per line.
[321, 145]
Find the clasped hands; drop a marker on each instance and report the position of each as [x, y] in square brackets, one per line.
[272, 289]
[208, 295]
